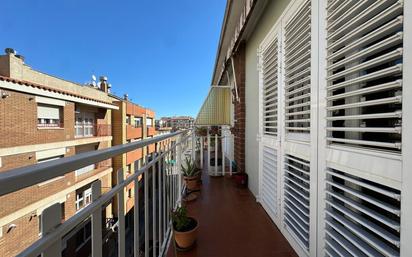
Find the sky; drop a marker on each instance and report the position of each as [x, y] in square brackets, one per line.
[161, 53]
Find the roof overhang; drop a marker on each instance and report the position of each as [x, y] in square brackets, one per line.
[42, 91]
[215, 110]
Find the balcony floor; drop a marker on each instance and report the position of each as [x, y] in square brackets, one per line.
[232, 223]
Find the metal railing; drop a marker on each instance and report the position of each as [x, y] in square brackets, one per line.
[162, 188]
[92, 130]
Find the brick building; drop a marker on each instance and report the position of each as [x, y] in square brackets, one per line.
[43, 118]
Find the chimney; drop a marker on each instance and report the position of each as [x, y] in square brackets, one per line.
[126, 97]
[104, 86]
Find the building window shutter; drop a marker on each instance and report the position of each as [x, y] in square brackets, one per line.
[297, 72]
[362, 217]
[364, 73]
[270, 74]
[48, 112]
[297, 199]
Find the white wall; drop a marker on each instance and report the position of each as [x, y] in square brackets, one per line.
[272, 12]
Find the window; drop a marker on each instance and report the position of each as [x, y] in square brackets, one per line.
[137, 122]
[83, 235]
[149, 122]
[128, 169]
[83, 198]
[85, 124]
[47, 160]
[129, 193]
[128, 119]
[49, 116]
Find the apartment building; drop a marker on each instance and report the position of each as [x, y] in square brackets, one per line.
[321, 98]
[130, 123]
[44, 118]
[177, 122]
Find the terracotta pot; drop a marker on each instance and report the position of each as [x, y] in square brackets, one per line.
[192, 182]
[188, 238]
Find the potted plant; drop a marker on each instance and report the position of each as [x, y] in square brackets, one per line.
[184, 228]
[190, 174]
[201, 131]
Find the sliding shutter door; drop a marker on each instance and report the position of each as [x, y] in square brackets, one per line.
[297, 54]
[364, 73]
[269, 83]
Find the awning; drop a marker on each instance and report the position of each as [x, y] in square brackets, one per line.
[215, 111]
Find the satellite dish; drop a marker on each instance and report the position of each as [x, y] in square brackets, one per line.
[94, 78]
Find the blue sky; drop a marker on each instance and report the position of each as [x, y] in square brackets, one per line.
[161, 53]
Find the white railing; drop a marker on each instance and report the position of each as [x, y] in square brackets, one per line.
[166, 179]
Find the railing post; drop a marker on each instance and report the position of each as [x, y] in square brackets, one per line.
[154, 209]
[146, 210]
[193, 145]
[121, 231]
[223, 155]
[136, 245]
[178, 170]
[201, 152]
[159, 180]
[216, 150]
[208, 150]
[50, 219]
[97, 221]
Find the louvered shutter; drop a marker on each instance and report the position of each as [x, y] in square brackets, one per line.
[296, 199]
[269, 181]
[362, 217]
[270, 88]
[297, 50]
[364, 73]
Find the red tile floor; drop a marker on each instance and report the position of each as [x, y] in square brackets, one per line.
[232, 223]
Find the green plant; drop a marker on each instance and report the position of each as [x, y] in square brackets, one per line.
[190, 169]
[181, 222]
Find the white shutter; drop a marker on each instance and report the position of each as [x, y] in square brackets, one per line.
[269, 181]
[362, 217]
[364, 73]
[270, 74]
[296, 199]
[297, 50]
[48, 112]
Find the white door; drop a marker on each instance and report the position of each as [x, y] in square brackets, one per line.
[269, 182]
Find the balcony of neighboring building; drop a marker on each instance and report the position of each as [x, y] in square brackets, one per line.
[133, 132]
[91, 122]
[134, 155]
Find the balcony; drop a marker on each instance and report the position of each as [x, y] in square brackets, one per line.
[151, 131]
[133, 132]
[134, 155]
[92, 130]
[231, 222]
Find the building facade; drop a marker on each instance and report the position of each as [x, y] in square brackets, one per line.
[321, 111]
[131, 123]
[43, 118]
